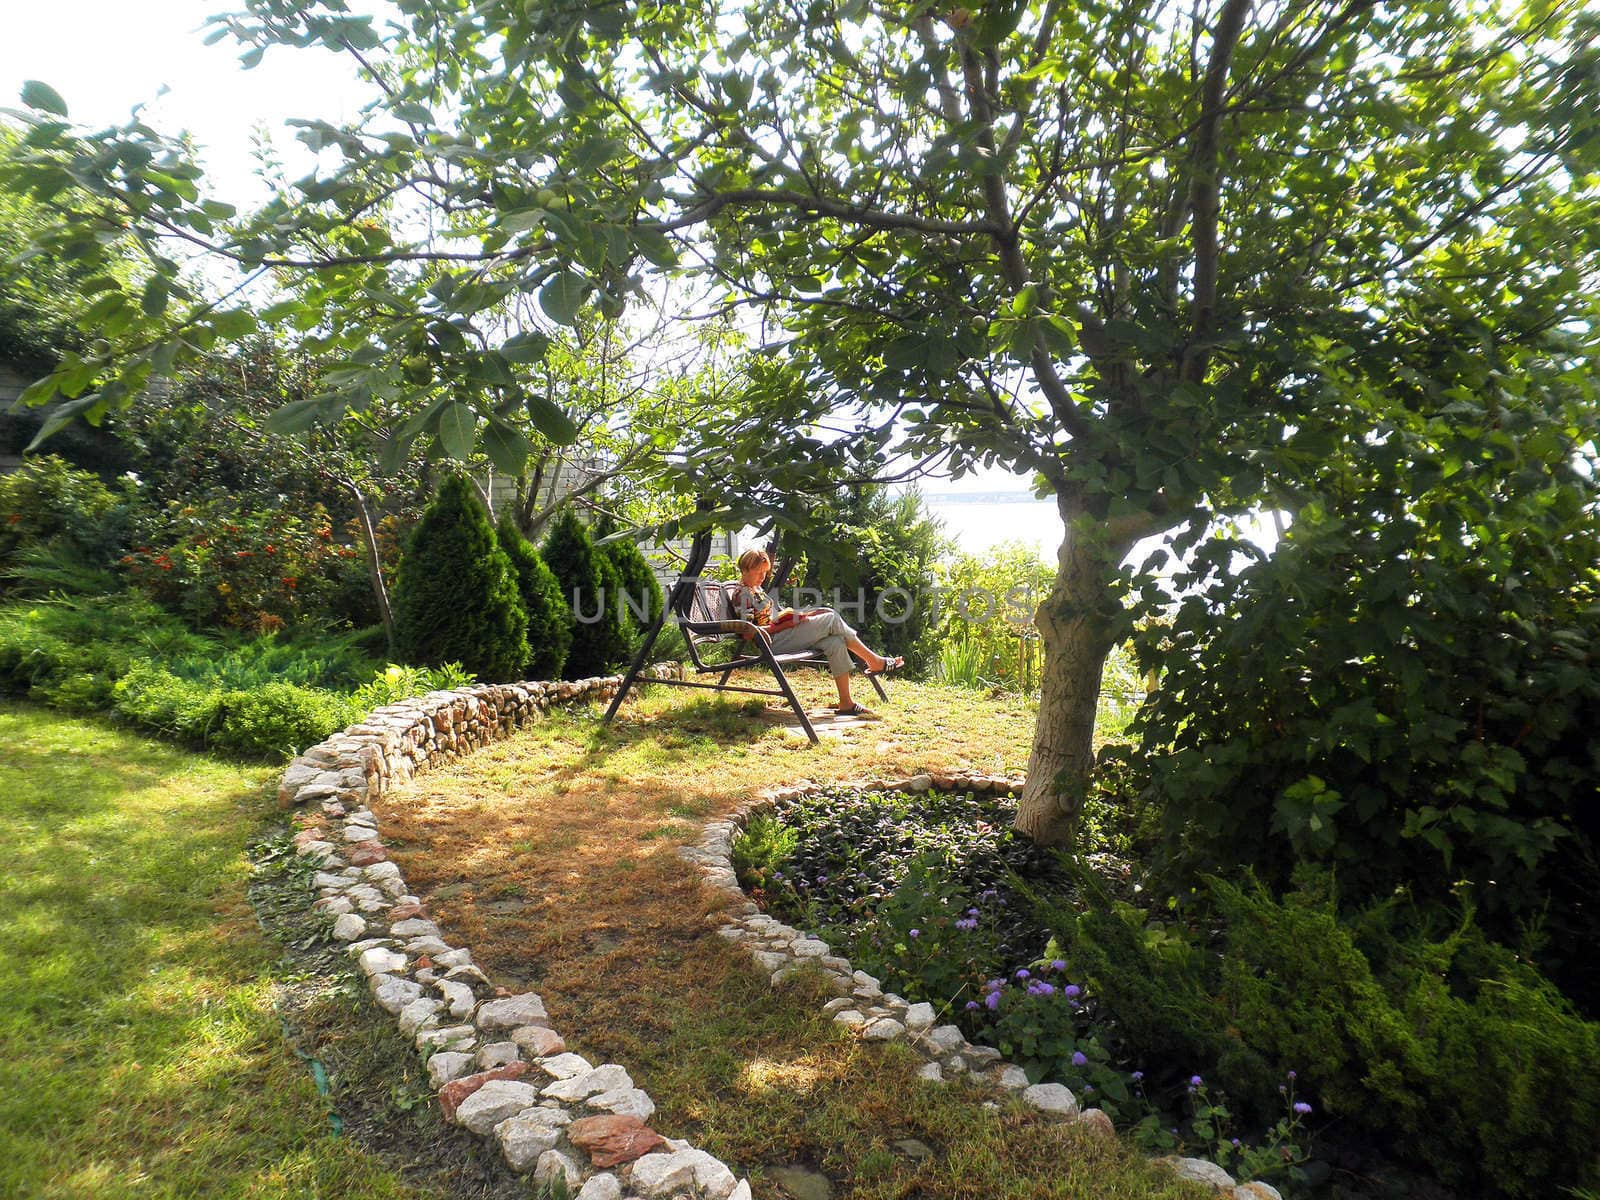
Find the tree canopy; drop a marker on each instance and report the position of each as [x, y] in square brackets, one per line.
[1154, 255]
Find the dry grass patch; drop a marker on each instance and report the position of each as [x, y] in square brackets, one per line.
[553, 856]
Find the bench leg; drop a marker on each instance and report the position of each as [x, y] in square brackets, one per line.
[634, 668]
[788, 694]
[877, 686]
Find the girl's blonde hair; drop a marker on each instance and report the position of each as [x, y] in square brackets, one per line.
[752, 557]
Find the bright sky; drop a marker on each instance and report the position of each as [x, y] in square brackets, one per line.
[106, 56]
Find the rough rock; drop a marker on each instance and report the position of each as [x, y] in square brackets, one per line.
[1053, 1098]
[448, 1037]
[442, 1068]
[1013, 1078]
[414, 927]
[608, 1078]
[662, 1174]
[1096, 1121]
[538, 1042]
[612, 1141]
[625, 1102]
[945, 1039]
[349, 927]
[458, 997]
[416, 1014]
[510, 1012]
[849, 1018]
[522, 1140]
[930, 1073]
[604, 1186]
[365, 854]
[802, 1183]
[1256, 1190]
[378, 961]
[919, 1017]
[565, 1066]
[497, 1054]
[553, 1165]
[393, 995]
[493, 1103]
[457, 1090]
[1199, 1170]
[884, 1029]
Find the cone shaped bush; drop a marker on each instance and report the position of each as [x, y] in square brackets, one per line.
[549, 615]
[644, 600]
[601, 631]
[455, 597]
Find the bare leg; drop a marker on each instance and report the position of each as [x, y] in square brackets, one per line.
[873, 660]
[842, 682]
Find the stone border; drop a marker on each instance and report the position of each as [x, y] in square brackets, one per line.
[878, 1016]
[498, 1066]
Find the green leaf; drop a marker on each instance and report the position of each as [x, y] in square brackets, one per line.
[528, 347]
[507, 447]
[62, 416]
[154, 300]
[458, 425]
[44, 97]
[550, 420]
[416, 114]
[294, 418]
[563, 296]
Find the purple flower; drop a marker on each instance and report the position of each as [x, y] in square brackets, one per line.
[1137, 1076]
[967, 923]
[1233, 1141]
[916, 933]
[971, 1004]
[972, 912]
[1292, 1077]
[1046, 989]
[988, 894]
[994, 985]
[1080, 1059]
[1057, 964]
[1301, 1107]
[822, 879]
[992, 1001]
[1072, 991]
[1023, 973]
[1088, 1089]
[1194, 1082]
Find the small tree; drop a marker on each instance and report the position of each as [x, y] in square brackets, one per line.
[638, 580]
[549, 615]
[590, 584]
[455, 599]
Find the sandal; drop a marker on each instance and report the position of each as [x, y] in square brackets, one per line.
[891, 662]
[857, 709]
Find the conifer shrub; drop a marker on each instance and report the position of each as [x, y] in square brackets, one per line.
[456, 598]
[643, 593]
[549, 615]
[601, 631]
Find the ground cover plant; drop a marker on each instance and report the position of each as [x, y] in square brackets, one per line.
[552, 856]
[144, 1053]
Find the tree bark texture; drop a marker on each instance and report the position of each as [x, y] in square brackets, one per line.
[1078, 623]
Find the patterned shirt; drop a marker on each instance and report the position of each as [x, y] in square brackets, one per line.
[752, 604]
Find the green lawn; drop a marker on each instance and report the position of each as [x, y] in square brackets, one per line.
[143, 1056]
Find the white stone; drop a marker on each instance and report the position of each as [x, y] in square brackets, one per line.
[456, 958]
[625, 1102]
[448, 1037]
[431, 946]
[662, 1174]
[1198, 1170]
[945, 1038]
[808, 948]
[497, 1054]
[1256, 1190]
[930, 1073]
[360, 833]
[553, 1165]
[849, 1018]
[337, 905]
[508, 1013]
[349, 927]
[565, 1066]
[608, 1078]
[919, 1017]
[522, 1140]
[741, 1192]
[315, 850]
[1052, 1098]
[379, 871]
[603, 1186]
[394, 994]
[442, 1068]
[711, 1175]
[536, 1041]
[414, 1015]
[1013, 1078]
[378, 961]
[494, 1102]
[458, 997]
[884, 1029]
[412, 926]
[770, 961]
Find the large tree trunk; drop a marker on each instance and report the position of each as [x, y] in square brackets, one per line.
[1078, 625]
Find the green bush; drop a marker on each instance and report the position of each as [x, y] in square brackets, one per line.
[641, 592]
[1451, 1050]
[455, 599]
[602, 630]
[549, 615]
[395, 683]
[58, 516]
[279, 719]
